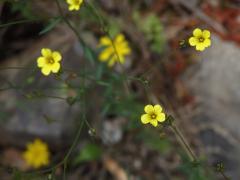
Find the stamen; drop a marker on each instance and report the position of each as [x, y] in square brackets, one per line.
[201, 39]
[153, 116]
[50, 60]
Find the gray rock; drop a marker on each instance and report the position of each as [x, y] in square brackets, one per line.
[215, 81]
[52, 119]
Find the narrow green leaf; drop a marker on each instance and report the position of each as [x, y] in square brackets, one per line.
[89, 152]
[53, 22]
[89, 54]
[71, 100]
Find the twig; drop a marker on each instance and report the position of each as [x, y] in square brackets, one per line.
[183, 142]
[201, 15]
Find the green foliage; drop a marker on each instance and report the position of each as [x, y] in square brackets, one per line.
[51, 24]
[152, 28]
[71, 100]
[115, 98]
[89, 152]
[153, 140]
[24, 7]
[18, 175]
[195, 171]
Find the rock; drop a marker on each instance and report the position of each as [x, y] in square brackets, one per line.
[23, 114]
[112, 131]
[215, 83]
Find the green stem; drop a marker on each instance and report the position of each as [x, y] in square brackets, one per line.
[187, 147]
[13, 68]
[69, 24]
[183, 143]
[224, 176]
[18, 22]
[106, 31]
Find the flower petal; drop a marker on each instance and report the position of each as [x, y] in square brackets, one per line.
[157, 109]
[145, 118]
[149, 109]
[161, 117]
[41, 61]
[193, 41]
[200, 47]
[56, 56]
[55, 67]
[46, 70]
[105, 54]
[206, 34]
[207, 42]
[46, 52]
[154, 122]
[112, 61]
[105, 41]
[119, 38]
[197, 32]
[71, 8]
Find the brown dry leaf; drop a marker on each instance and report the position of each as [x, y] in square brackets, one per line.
[113, 167]
[13, 158]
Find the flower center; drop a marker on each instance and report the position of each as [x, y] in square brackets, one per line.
[201, 39]
[77, 2]
[153, 116]
[50, 60]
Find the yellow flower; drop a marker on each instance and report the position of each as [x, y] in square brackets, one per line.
[49, 61]
[74, 4]
[37, 154]
[153, 115]
[200, 39]
[115, 50]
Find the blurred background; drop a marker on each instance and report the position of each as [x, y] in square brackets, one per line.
[200, 89]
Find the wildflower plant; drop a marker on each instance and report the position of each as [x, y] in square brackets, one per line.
[153, 115]
[200, 39]
[37, 154]
[114, 50]
[116, 93]
[49, 61]
[74, 4]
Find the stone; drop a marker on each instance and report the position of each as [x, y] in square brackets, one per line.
[23, 115]
[215, 82]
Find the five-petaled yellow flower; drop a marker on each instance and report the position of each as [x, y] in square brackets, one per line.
[153, 115]
[74, 4]
[37, 154]
[200, 39]
[115, 50]
[49, 61]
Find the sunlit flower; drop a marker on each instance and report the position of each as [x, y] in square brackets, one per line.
[200, 39]
[74, 4]
[153, 115]
[115, 50]
[49, 61]
[37, 154]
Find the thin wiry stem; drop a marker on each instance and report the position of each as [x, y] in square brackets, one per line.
[106, 31]
[184, 143]
[187, 148]
[69, 24]
[13, 68]
[18, 22]
[84, 120]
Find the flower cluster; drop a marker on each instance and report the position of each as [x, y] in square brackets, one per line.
[153, 115]
[74, 4]
[200, 39]
[49, 61]
[115, 50]
[37, 154]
